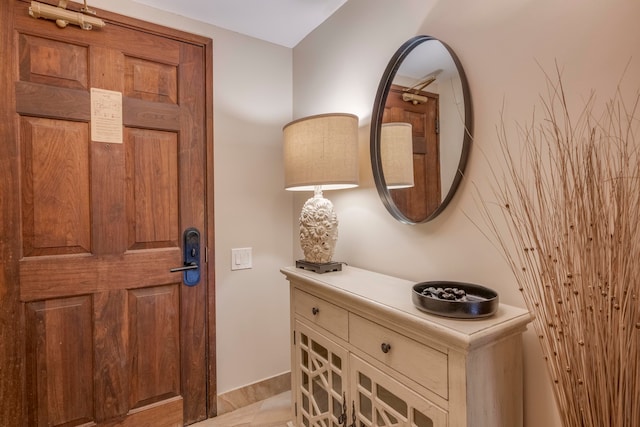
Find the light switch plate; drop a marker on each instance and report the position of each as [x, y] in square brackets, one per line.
[241, 258]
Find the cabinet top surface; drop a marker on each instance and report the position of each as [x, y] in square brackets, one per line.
[392, 296]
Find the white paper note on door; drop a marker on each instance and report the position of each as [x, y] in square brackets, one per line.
[106, 116]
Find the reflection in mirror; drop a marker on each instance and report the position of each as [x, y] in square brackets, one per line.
[425, 87]
[396, 150]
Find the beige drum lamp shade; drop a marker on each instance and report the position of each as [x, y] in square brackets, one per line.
[396, 151]
[321, 150]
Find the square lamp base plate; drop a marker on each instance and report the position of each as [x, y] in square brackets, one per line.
[320, 268]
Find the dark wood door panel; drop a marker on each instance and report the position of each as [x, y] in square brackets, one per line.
[154, 333]
[55, 186]
[54, 63]
[59, 339]
[151, 80]
[152, 189]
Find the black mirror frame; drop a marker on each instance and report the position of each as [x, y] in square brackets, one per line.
[376, 127]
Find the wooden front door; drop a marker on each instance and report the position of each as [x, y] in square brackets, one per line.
[93, 212]
[420, 201]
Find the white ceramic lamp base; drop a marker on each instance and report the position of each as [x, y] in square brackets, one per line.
[318, 230]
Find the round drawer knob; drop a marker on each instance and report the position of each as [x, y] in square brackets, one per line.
[385, 347]
[315, 310]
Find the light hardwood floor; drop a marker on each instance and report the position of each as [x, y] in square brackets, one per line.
[272, 412]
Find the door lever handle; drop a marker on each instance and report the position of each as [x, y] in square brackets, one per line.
[190, 266]
[190, 257]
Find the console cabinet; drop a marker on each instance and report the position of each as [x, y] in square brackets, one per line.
[363, 355]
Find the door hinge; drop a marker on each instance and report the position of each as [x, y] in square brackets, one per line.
[295, 409]
[294, 337]
[206, 254]
[437, 126]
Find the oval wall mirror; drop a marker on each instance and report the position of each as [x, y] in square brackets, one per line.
[421, 127]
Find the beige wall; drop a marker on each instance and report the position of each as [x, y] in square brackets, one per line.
[500, 44]
[252, 101]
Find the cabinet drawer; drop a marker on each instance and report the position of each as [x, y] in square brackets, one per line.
[322, 313]
[423, 364]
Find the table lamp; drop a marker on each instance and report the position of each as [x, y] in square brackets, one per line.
[320, 153]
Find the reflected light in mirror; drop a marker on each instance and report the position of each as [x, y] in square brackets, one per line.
[396, 151]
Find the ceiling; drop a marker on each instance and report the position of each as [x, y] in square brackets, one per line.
[283, 22]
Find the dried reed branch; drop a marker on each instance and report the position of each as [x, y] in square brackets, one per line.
[570, 198]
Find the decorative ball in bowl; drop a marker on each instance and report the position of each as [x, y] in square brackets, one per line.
[455, 299]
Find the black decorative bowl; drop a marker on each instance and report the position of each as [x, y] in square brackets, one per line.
[477, 301]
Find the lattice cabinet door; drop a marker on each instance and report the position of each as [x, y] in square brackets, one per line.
[379, 400]
[321, 366]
